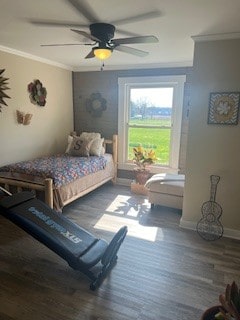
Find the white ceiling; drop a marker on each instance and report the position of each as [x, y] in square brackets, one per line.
[176, 23]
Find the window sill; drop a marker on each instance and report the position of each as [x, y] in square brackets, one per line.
[153, 169]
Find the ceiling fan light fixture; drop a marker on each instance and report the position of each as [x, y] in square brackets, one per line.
[102, 53]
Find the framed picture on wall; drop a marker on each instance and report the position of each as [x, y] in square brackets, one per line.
[223, 108]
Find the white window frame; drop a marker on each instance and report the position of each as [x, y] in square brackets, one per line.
[124, 87]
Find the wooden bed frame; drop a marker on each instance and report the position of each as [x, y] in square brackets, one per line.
[47, 187]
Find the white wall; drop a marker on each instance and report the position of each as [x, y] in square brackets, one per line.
[50, 125]
[213, 149]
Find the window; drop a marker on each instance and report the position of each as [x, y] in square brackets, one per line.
[150, 114]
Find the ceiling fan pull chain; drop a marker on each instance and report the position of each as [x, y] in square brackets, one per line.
[103, 65]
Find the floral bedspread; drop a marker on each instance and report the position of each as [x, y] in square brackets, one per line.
[61, 168]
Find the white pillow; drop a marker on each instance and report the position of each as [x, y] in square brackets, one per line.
[102, 151]
[70, 140]
[90, 135]
[96, 147]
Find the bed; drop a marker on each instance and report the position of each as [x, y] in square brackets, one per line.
[60, 179]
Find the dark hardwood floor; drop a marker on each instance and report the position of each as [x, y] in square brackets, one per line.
[163, 272]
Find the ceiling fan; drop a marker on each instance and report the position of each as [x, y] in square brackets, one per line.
[102, 34]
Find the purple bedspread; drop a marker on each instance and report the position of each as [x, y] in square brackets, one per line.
[61, 168]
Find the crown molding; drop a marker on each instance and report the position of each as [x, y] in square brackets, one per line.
[214, 37]
[181, 64]
[35, 58]
[176, 64]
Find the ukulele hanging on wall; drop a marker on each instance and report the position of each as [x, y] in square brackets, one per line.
[209, 227]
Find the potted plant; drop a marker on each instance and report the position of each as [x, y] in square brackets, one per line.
[229, 308]
[143, 158]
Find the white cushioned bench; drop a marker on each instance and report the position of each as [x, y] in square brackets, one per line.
[166, 189]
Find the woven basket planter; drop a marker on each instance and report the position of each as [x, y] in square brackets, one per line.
[141, 176]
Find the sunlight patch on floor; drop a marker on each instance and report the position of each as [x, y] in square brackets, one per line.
[125, 205]
[113, 224]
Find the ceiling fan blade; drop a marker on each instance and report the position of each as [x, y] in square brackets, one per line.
[47, 23]
[90, 55]
[65, 44]
[127, 33]
[140, 39]
[140, 17]
[84, 9]
[85, 34]
[135, 52]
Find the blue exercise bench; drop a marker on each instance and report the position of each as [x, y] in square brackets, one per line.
[78, 247]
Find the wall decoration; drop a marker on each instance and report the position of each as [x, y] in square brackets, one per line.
[3, 87]
[96, 104]
[23, 118]
[224, 108]
[209, 226]
[37, 92]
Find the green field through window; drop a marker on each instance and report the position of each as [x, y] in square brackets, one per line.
[151, 138]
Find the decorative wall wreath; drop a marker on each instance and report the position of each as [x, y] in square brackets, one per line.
[96, 104]
[3, 87]
[37, 92]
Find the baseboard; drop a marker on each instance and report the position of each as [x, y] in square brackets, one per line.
[123, 182]
[228, 233]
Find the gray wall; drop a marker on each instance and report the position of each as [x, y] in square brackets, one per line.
[106, 83]
[213, 149]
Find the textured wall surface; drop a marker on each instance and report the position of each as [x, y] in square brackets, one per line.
[213, 148]
[106, 83]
